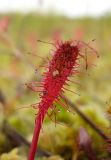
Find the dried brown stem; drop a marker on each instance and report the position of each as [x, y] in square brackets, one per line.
[86, 119]
[15, 51]
[19, 140]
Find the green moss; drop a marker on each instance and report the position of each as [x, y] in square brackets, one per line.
[13, 155]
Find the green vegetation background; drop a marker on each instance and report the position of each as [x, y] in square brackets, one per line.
[95, 90]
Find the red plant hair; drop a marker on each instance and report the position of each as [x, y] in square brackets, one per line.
[64, 63]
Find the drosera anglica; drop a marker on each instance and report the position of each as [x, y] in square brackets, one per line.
[64, 63]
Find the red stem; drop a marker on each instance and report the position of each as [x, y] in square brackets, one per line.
[34, 143]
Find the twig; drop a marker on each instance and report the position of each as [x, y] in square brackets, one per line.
[19, 140]
[2, 98]
[16, 51]
[87, 119]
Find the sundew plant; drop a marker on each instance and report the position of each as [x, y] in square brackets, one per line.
[64, 63]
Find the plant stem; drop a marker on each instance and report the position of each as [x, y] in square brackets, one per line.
[33, 147]
[18, 140]
[87, 119]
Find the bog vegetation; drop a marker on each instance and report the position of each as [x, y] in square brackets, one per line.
[65, 135]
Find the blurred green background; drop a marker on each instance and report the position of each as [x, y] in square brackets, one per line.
[20, 63]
